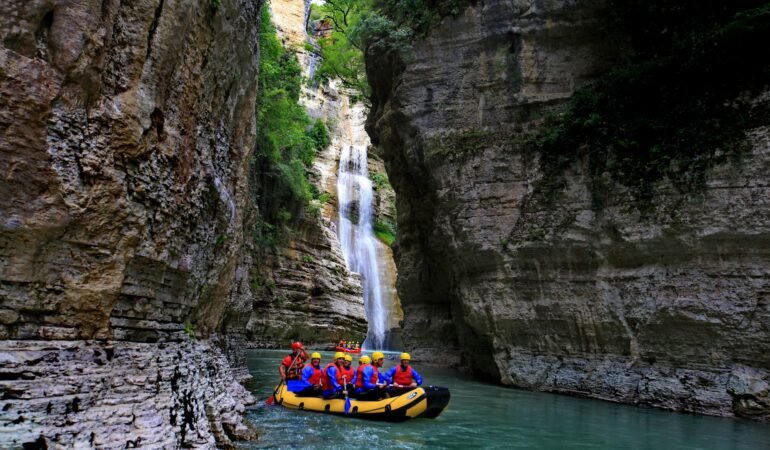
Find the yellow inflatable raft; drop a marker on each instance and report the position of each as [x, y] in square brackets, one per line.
[426, 402]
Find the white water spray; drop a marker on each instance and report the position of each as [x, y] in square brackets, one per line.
[359, 245]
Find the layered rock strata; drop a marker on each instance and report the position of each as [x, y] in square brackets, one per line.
[125, 135]
[667, 309]
[116, 395]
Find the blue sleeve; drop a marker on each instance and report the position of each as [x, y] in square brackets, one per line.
[352, 379]
[385, 376]
[389, 374]
[367, 373]
[331, 372]
[307, 372]
[297, 385]
[416, 376]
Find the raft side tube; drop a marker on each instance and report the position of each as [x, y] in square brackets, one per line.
[426, 402]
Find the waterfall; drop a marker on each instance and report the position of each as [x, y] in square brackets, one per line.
[359, 246]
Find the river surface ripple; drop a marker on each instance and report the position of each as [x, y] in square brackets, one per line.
[486, 416]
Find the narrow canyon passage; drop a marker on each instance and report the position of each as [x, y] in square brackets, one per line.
[557, 199]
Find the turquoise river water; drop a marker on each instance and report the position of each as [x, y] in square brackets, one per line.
[486, 416]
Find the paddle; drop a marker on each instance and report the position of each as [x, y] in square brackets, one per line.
[345, 390]
[271, 400]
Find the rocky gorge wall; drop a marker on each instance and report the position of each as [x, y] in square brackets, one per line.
[125, 134]
[666, 309]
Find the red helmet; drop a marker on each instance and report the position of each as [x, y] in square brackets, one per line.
[297, 346]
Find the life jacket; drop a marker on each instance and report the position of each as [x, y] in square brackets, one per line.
[347, 373]
[360, 375]
[317, 375]
[293, 372]
[327, 383]
[403, 377]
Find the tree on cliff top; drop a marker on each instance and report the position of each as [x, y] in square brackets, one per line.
[362, 26]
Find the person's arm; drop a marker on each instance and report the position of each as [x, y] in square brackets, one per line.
[367, 378]
[417, 379]
[283, 369]
[352, 379]
[383, 378]
[389, 375]
[331, 372]
[307, 372]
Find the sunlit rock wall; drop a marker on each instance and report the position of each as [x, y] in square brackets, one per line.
[667, 310]
[125, 134]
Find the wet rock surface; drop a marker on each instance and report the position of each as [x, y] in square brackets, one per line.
[125, 135]
[667, 309]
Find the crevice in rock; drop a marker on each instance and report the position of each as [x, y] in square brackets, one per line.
[42, 33]
[153, 28]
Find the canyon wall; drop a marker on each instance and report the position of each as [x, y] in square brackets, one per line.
[126, 129]
[667, 308]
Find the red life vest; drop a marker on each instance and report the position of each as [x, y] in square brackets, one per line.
[327, 385]
[293, 372]
[316, 377]
[403, 377]
[347, 374]
[360, 375]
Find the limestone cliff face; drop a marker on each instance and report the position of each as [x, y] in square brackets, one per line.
[301, 288]
[668, 310]
[125, 134]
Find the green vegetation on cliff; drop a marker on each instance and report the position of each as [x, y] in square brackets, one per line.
[287, 139]
[680, 105]
[360, 26]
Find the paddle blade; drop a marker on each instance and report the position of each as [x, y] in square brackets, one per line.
[347, 405]
[270, 400]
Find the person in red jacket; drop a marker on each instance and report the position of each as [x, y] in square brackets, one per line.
[403, 377]
[347, 373]
[312, 377]
[370, 385]
[292, 364]
[333, 384]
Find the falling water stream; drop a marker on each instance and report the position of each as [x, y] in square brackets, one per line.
[359, 244]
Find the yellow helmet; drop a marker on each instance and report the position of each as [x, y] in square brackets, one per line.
[348, 358]
[339, 355]
[377, 355]
[405, 356]
[365, 359]
[315, 355]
